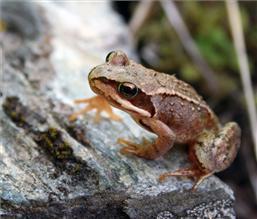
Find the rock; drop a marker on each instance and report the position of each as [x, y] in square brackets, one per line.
[53, 168]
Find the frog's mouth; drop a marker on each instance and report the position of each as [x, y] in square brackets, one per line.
[109, 92]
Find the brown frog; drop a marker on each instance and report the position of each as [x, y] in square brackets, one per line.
[168, 107]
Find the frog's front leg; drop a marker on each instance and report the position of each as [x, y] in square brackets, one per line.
[211, 153]
[148, 150]
[99, 104]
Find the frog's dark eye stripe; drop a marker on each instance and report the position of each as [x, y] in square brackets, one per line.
[127, 89]
[107, 59]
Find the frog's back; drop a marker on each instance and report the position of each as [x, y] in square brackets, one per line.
[149, 81]
[152, 83]
[180, 106]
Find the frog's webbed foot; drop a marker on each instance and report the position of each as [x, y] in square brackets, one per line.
[188, 172]
[135, 149]
[99, 104]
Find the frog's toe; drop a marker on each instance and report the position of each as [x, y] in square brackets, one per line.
[129, 150]
[130, 147]
[145, 150]
[200, 179]
[75, 115]
[188, 172]
[181, 172]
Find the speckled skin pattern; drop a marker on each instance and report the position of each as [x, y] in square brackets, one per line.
[170, 108]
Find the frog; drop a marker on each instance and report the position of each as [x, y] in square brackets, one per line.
[167, 107]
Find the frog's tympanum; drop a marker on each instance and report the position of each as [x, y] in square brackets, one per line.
[168, 107]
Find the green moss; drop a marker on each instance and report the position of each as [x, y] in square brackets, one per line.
[77, 167]
[16, 111]
[52, 141]
[189, 73]
[61, 154]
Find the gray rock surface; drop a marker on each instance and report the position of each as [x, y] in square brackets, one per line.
[52, 168]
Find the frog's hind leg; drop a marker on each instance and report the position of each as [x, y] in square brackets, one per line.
[188, 172]
[212, 152]
[200, 179]
[181, 172]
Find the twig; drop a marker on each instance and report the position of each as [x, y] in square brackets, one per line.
[250, 165]
[1, 70]
[140, 15]
[239, 42]
[188, 43]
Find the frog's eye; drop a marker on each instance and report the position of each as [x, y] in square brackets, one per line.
[118, 58]
[109, 55]
[127, 89]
